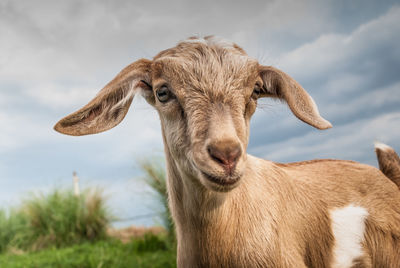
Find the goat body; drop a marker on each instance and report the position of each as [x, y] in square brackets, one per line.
[232, 209]
[283, 215]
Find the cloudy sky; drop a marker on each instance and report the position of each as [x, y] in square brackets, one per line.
[56, 55]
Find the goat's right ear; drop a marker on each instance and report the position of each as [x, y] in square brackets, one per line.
[111, 104]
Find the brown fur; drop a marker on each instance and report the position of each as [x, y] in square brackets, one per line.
[275, 215]
[389, 163]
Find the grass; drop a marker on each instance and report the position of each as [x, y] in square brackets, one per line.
[63, 230]
[155, 177]
[150, 251]
[12, 227]
[55, 220]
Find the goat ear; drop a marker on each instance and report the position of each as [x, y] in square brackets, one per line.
[111, 104]
[280, 85]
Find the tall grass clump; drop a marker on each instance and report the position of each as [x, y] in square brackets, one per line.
[61, 218]
[13, 223]
[56, 219]
[155, 177]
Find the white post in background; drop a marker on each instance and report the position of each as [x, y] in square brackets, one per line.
[76, 183]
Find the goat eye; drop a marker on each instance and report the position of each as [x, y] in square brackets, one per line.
[163, 94]
[256, 92]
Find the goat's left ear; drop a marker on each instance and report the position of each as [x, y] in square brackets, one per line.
[111, 104]
[280, 85]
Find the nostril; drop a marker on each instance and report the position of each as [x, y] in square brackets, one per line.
[225, 153]
[234, 154]
[216, 155]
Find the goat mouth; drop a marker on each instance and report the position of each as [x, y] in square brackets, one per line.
[225, 181]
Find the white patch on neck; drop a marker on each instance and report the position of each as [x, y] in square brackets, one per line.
[348, 230]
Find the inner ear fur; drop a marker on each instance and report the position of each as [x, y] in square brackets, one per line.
[111, 104]
[280, 85]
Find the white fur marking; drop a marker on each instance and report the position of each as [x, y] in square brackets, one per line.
[197, 40]
[212, 40]
[127, 97]
[348, 229]
[218, 41]
[381, 146]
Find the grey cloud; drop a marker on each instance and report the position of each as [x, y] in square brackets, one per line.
[353, 78]
[354, 53]
[353, 141]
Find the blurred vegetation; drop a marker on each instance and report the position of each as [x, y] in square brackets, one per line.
[57, 219]
[150, 251]
[155, 177]
[60, 229]
[13, 225]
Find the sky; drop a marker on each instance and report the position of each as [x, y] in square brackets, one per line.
[56, 55]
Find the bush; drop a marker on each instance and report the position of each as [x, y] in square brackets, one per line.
[149, 242]
[57, 219]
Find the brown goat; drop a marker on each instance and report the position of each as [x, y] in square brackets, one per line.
[232, 209]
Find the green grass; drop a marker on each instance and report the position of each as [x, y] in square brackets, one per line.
[151, 251]
[55, 220]
[155, 177]
[60, 229]
[12, 227]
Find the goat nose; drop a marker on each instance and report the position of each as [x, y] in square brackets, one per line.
[226, 153]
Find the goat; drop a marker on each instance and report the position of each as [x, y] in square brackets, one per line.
[232, 209]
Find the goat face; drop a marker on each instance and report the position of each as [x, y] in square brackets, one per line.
[205, 91]
[205, 96]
